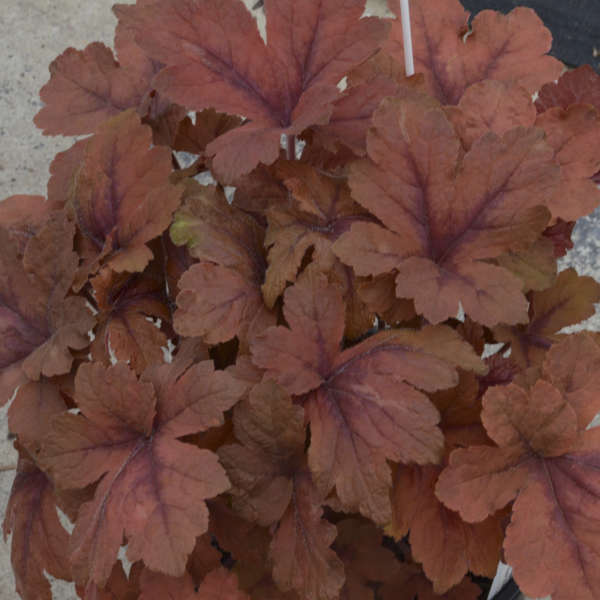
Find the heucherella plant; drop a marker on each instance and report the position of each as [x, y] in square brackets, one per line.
[232, 328]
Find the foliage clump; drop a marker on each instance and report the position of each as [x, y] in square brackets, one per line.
[270, 394]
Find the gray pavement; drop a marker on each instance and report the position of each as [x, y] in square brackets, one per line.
[32, 34]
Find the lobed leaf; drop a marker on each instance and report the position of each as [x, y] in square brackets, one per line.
[128, 303]
[302, 558]
[39, 322]
[454, 54]
[544, 460]
[447, 547]
[574, 133]
[151, 485]
[570, 300]
[261, 469]
[220, 297]
[121, 197]
[368, 84]
[23, 216]
[215, 58]
[491, 105]
[577, 86]
[364, 403]
[318, 212]
[86, 88]
[446, 214]
[31, 411]
[39, 541]
[573, 367]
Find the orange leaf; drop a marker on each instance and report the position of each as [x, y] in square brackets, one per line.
[365, 405]
[152, 486]
[578, 86]
[548, 463]
[121, 196]
[272, 435]
[220, 584]
[446, 546]
[23, 216]
[302, 558]
[491, 105]
[39, 542]
[446, 213]
[31, 411]
[127, 303]
[86, 88]
[574, 134]
[220, 297]
[569, 301]
[510, 48]
[38, 320]
[282, 87]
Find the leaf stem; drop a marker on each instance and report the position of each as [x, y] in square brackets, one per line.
[291, 147]
[168, 292]
[8, 467]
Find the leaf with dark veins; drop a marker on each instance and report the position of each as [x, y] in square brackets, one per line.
[365, 403]
[220, 296]
[88, 87]
[511, 48]
[39, 542]
[550, 465]
[272, 435]
[121, 197]
[39, 322]
[319, 210]
[300, 550]
[215, 58]
[128, 303]
[446, 213]
[568, 301]
[152, 486]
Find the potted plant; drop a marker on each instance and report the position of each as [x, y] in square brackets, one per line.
[321, 359]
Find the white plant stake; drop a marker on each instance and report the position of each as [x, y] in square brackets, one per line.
[409, 63]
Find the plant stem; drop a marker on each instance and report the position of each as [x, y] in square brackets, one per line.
[291, 147]
[168, 292]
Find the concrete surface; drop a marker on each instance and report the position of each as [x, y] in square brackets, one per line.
[32, 34]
